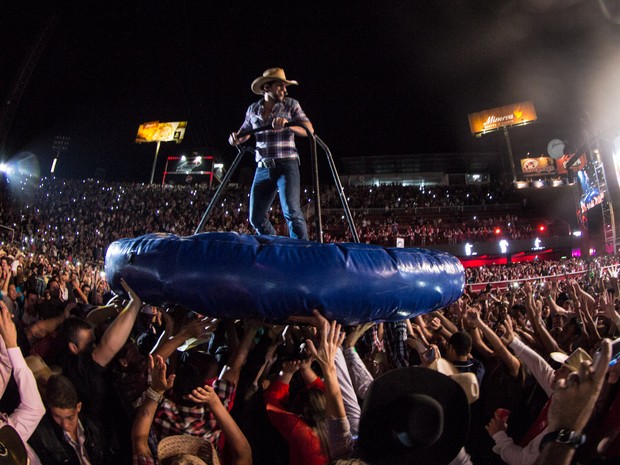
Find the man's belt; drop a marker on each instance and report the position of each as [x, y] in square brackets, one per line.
[273, 162]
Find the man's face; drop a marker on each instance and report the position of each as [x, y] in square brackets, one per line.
[66, 418]
[54, 289]
[276, 90]
[12, 292]
[31, 300]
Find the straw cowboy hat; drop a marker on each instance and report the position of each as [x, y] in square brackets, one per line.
[187, 449]
[572, 361]
[272, 74]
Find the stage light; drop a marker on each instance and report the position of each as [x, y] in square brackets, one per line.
[576, 233]
[498, 231]
[541, 228]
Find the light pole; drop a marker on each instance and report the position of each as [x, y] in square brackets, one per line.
[60, 144]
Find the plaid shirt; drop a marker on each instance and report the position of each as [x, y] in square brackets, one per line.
[395, 335]
[274, 144]
[197, 420]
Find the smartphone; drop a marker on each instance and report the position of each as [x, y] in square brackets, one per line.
[615, 352]
[429, 355]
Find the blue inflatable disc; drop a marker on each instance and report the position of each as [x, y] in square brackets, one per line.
[271, 278]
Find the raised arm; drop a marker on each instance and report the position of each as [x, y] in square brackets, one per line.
[30, 410]
[331, 338]
[167, 344]
[534, 315]
[572, 405]
[146, 412]
[512, 362]
[117, 333]
[231, 371]
[236, 442]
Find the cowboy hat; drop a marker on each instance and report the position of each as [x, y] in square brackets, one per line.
[572, 361]
[12, 449]
[413, 415]
[467, 381]
[192, 449]
[39, 368]
[272, 74]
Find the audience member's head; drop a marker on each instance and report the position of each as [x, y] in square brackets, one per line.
[459, 345]
[197, 368]
[63, 403]
[78, 335]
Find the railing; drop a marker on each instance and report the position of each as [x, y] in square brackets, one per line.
[502, 285]
[10, 229]
[474, 209]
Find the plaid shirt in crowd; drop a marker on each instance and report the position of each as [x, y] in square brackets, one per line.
[197, 420]
[395, 337]
[274, 144]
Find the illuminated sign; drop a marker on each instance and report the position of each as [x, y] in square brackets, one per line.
[155, 131]
[578, 165]
[538, 166]
[495, 118]
[537, 244]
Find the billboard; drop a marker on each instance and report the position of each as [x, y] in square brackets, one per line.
[495, 118]
[155, 131]
[564, 159]
[538, 166]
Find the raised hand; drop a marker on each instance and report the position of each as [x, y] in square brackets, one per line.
[575, 396]
[509, 334]
[157, 371]
[7, 327]
[356, 332]
[204, 395]
[133, 297]
[331, 338]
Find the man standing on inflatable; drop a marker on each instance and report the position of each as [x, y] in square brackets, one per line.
[276, 154]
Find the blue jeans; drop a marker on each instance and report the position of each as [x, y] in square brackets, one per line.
[284, 177]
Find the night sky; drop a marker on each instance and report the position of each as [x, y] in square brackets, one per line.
[376, 77]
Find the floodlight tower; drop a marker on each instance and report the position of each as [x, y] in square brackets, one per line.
[61, 143]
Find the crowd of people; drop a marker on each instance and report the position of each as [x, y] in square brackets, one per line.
[100, 378]
[83, 216]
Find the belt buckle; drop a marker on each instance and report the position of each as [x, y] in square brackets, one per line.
[269, 162]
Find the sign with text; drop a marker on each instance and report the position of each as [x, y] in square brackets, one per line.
[155, 131]
[495, 118]
[538, 166]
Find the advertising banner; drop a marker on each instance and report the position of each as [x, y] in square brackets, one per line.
[578, 165]
[155, 131]
[495, 118]
[538, 166]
